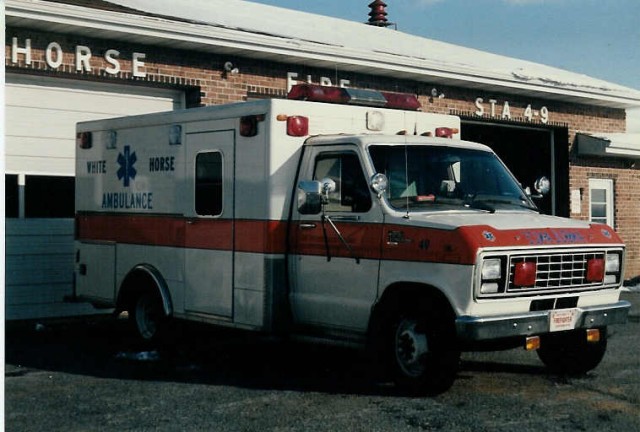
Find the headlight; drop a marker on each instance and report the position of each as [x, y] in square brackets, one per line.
[491, 269]
[491, 275]
[613, 263]
[612, 268]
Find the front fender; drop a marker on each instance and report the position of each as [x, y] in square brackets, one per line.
[453, 281]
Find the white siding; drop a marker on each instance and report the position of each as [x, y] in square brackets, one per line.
[39, 268]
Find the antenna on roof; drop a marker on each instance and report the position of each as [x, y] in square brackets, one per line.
[378, 14]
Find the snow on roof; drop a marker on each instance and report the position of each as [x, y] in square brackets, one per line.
[359, 47]
[304, 27]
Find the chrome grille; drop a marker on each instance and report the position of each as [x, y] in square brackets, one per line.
[556, 270]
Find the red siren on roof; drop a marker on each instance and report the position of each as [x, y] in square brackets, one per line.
[378, 14]
[351, 96]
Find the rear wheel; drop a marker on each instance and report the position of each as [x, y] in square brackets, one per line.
[571, 353]
[424, 356]
[147, 316]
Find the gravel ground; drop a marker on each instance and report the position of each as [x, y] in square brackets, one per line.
[86, 375]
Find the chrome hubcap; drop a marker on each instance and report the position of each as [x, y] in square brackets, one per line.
[146, 319]
[410, 347]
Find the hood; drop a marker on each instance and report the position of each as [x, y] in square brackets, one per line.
[509, 229]
[498, 220]
[457, 237]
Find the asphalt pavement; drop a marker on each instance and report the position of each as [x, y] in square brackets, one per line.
[88, 375]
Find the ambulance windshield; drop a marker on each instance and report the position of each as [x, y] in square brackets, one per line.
[423, 177]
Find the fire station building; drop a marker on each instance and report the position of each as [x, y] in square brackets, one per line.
[75, 60]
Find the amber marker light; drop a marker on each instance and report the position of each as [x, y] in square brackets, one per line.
[593, 335]
[532, 343]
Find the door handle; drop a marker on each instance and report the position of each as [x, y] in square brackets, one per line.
[307, 225]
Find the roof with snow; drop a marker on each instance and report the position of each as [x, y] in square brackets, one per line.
[242, 28]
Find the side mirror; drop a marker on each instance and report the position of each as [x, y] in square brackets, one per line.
[309, 197]
[327, 186]
[379, 183]
[313, 194]
[542, 186]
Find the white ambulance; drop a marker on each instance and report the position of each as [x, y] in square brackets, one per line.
[344, 217]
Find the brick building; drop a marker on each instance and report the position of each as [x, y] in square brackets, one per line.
[73, 60]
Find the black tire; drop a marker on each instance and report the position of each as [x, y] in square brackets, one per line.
[570, 353]
[147, 317]
[422, 347]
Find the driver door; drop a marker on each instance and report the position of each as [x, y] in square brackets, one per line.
[335, 257]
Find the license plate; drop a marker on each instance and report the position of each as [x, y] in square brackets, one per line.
[562, 319]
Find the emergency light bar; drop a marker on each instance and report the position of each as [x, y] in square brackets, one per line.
[350, 96]
[365, 97]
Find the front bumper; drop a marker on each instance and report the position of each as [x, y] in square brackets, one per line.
[473, 328]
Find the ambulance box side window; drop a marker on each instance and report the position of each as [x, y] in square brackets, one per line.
[352, 193]
[208, 190]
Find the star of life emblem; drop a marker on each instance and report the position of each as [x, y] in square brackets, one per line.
[488, 235]
[127, 160]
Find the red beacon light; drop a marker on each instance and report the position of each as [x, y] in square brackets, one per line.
[350, 96]
[249, 125]
[403, 101]
[316, 93]
[297, 126]
[595, 270]
[83, 140]
[446, 132]
[525, 274]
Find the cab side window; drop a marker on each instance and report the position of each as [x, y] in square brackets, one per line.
[208, 197]
[352, 191]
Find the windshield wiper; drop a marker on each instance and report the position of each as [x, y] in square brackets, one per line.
[480, 205]
[483, 204]
[512, 202]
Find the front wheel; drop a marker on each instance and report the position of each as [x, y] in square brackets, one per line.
[570, 352]
[424, 355]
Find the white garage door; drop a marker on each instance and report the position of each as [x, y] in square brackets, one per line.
[41, 114]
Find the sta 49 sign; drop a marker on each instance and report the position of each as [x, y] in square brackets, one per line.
[504, 111]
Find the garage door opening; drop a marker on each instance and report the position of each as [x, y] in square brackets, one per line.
[530, 153]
